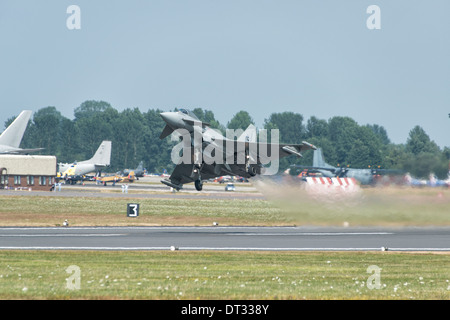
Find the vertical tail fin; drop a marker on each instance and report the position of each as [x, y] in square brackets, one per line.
[103, 154]
[12, 136]
[318, 160]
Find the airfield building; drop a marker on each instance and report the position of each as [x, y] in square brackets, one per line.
[27, 172]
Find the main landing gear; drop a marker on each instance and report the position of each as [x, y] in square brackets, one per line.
[198, 185]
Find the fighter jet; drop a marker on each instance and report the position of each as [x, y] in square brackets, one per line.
[138, 172]
[11, 138]
[207, 154]
[74, 171]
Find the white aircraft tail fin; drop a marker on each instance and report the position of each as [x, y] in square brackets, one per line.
[12, 136]
[103, 154]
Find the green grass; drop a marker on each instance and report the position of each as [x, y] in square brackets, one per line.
[222, 275]
[228, 275]
[286, 206]
[84, 211]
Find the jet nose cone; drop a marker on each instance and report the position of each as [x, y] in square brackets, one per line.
[171, 118]
[165, 115]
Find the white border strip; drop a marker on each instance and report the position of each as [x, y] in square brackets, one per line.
[37, 235]
[219, 249]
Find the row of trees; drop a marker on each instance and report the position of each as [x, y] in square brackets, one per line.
[135, 138]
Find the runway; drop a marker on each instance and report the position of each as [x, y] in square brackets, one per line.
[225, 238]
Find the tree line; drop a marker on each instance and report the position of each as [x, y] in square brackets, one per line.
[135, 137]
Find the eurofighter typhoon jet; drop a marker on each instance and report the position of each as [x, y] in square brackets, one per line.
[207, 154]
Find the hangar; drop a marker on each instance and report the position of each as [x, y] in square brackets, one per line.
[27, 172]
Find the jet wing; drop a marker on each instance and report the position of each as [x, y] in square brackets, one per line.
[284, 150]
[185, 173]
[257, 150]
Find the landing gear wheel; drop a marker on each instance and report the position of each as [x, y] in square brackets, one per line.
[251, 171]
[198, 185]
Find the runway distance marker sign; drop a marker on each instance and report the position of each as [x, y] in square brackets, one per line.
[132, 210]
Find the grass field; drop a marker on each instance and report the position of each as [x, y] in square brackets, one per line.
[229, 275]
[380, 207]
[224, 275]
[85, 211]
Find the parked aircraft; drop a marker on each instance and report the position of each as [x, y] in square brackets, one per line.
[11, 138]
[117, 178]
[74, 171]
[364, 176]
[242, 157]
[138, 172]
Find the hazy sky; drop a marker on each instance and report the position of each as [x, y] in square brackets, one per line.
[311, 57]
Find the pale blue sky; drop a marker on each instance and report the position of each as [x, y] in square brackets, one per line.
[310, 57]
